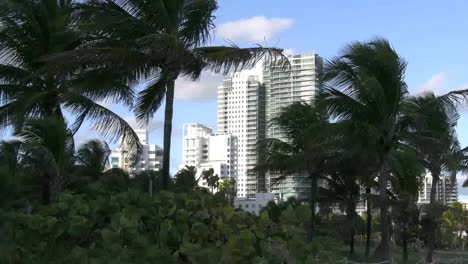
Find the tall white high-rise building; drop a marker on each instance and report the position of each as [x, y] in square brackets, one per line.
[150, 159]
[300, 84]
[241, 112]
[205, 150]
[249, 99]
[446, 190]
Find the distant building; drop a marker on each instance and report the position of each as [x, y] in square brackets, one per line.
[446, 192]
[150, 159]
[282, 88]
[241, 113]
[248, 100]
[205, 151]
[254, 206]
[464, 203]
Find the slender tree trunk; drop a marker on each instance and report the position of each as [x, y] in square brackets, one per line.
[368, 221]
[312, 203]
[404, 241]
[350, 215]
[433, 215]
[383, 249]
[167, 133]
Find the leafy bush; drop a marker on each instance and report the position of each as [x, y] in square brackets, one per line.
[132, 227]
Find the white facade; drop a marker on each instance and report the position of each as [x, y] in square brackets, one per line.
[205, 151]
[248, 100]
[254, 206]
[282, 89]
[150, 159]
[241, 112]
[195, 144]
[464, 203]
[446, 192]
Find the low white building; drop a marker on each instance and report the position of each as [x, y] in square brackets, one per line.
[255, 206]
[205, 150]
[151, 157]
[464, 203]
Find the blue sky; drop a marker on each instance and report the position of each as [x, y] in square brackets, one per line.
[431, 35]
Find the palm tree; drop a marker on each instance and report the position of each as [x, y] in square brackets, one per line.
[455, 221]
[438, 149]
[93, 156]
[228, 188]
[341, 189]
[19, 189]
[47, 149]
[185, 179]
[156, 42]
[365, 85]
[211, 179]
[407, 175]
[32, 87]
[306, 150]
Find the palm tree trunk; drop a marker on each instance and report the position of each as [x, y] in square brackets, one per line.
[312, 203]
[433, 215]
[350, 215]
[383, 249]
[167, 133]
[404, 242]
[368, 221]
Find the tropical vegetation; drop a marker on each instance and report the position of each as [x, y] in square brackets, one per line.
[363, 141]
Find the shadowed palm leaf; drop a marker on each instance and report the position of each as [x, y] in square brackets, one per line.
[31, 87]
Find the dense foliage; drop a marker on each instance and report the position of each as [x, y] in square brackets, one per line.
[363, 140]
[132, 227]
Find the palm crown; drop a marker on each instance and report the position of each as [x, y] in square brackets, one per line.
[155, 42]
[32, 87]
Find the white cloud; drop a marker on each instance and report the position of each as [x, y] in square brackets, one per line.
[436, 84]
[204, 89]
[255, 29]
[152, 125]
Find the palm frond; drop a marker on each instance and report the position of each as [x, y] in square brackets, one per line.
[94, 155]
[197, 22]
[131, 64]
[150, 99]
[233, 58]
[49, 133]
[107, 123]
[103, 86]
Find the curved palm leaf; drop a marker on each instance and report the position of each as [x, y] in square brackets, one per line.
[33, 87]
[94, 156]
